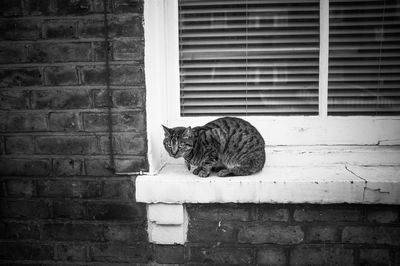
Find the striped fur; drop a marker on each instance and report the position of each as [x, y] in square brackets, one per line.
[228, 146]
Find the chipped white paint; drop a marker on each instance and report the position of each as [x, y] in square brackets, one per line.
[167, 223]
[382, 183]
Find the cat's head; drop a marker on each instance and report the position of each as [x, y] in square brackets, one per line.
[178, 141]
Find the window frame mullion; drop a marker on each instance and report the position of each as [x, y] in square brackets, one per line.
[323, 58]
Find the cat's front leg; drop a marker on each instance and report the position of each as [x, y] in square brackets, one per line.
[210, 160]
[187, 164]
[204, 169]
[197, 170]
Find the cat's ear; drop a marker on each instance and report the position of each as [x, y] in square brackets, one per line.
[188, 133]
[167, 131]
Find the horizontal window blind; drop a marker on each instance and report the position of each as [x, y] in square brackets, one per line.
[249, 57]
[364, 58]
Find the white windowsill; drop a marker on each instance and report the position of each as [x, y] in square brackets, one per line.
[313, 174]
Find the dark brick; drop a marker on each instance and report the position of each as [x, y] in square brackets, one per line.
[73, 7]
[65, 122]
[98, 6]
[132, 98]
[14, 99]
[20, 77]
[60, 52]
[101, 167]
[23, 122]
[322, 213]
[128, 49]
[119, 75]
[2, 149]
[3, 233]
[169, 254]
[61, 75]
[126, 26]
[273, 213]
[22, 231]
[20, 188]
[61, 29]
[69, 189]
[16, 29]
[69, 231]
[71, 252]
[119, 26]
[10, 8]
[93, 75]
[24, 167]
[128, 143]
[121, 121]
[275, 234]
[321, 256]
[127, 233]
[15, 53]
[122, 189]
[321, 234]
[376, 257]
[127, 75]
[128, 6]
[68, 167]
[116, 211]
[39, 7]
[132, 164]
[69, 209]
[231, 256]
[66, 145]
[371, 235]
[98, 167]
[91, 28]
[206, 232]
[26, 251]
[19, 145]
[121, 252]
[271, 257]
[25, 209]
[99, 51]
[383, 216]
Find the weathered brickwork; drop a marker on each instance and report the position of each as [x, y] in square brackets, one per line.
[271, 234]
[60, 202]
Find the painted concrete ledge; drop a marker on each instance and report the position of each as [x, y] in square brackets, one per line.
[277, 184]
[321, 175]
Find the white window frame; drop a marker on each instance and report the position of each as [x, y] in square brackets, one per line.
[163, 96]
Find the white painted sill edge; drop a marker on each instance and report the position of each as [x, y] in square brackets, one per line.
[322, 175]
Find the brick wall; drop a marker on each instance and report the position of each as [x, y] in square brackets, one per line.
[61, 205]
[272, 234]
[59, 200]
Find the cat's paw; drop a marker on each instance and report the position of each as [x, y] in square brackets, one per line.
[203, 173]
[223, 173]
[197, 171]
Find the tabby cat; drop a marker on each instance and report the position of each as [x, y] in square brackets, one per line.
[228, 146]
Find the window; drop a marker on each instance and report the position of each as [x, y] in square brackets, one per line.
[364, 58]
[296, 69]
[249, 57]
